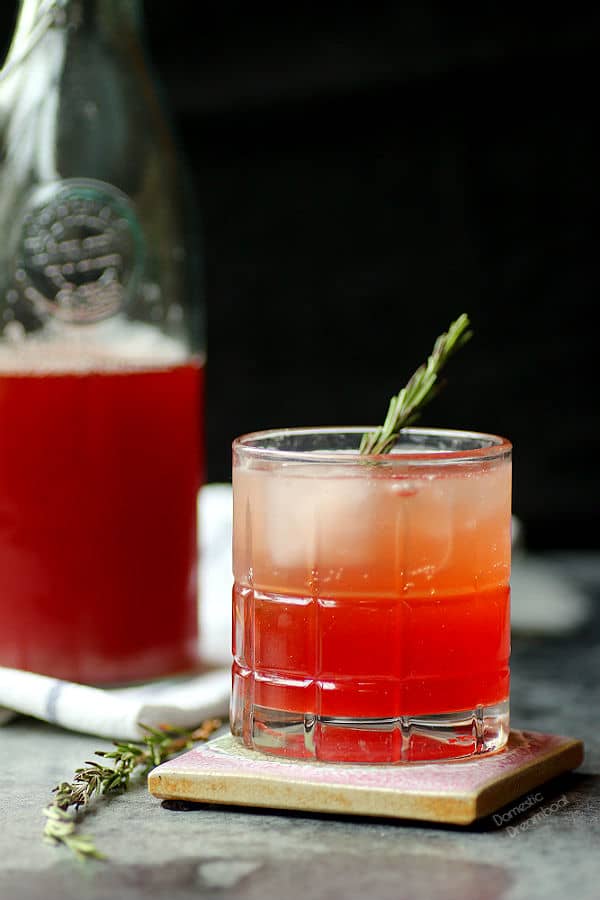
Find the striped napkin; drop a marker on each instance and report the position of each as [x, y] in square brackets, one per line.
[182, 701]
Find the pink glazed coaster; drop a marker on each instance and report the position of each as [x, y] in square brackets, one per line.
[225, 772]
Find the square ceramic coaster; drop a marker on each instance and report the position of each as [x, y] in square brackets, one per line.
[223, 771]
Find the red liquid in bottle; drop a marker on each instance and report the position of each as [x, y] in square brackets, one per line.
[100, 469]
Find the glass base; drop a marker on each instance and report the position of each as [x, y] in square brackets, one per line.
[405, 739]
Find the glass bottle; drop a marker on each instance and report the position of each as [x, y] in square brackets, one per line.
[101, 355]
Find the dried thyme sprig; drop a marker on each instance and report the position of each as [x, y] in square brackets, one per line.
[406, 406]
[131, 758]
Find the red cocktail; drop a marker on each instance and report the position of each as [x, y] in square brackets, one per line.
[371, 597]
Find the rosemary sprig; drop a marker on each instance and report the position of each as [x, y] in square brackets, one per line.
[130, 758]
[422, 387]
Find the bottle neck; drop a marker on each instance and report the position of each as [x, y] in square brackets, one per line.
[117, 21]
[109, 16]
[104, 14]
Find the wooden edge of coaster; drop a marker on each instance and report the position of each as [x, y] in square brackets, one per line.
[557, 761]
[260, 791]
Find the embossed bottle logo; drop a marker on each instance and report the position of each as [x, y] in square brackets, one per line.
[81, 252]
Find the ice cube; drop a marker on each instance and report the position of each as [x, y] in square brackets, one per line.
[318, 517]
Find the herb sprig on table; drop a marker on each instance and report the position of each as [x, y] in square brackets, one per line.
[422, 387]
[129, 759]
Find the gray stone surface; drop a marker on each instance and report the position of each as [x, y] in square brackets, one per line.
[178, 851]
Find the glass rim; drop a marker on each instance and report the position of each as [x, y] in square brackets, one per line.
[493, 446]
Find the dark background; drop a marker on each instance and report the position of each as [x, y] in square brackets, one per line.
[365, 177]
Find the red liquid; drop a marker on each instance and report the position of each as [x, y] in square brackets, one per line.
[100, 473]
[374, 657]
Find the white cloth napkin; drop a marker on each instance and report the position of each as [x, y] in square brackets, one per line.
[182, 701]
